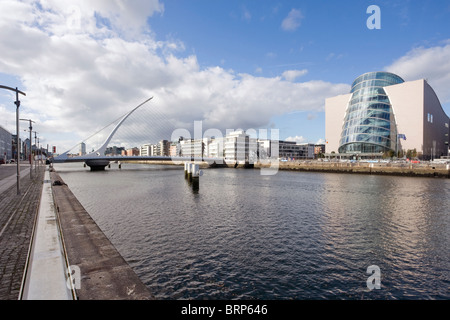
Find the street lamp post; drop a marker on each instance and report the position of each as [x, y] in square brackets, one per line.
[35, 152]
[39, 154]
[17, 103]
[31, 143]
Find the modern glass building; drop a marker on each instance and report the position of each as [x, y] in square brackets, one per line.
[384, 113]
[369, 123]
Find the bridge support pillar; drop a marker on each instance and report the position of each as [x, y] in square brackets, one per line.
[97, 165]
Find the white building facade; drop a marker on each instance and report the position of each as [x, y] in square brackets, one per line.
[239, 147]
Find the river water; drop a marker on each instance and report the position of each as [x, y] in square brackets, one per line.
[293, 235]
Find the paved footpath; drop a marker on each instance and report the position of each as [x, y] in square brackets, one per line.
[17, 217]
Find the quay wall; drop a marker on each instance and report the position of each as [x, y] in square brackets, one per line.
[203, 164]
[379, 168]
[440, 170]
[103, 272]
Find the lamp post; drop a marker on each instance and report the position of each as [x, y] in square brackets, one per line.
[35, 152]
[31, 143]
[39, 154]
[17, 103]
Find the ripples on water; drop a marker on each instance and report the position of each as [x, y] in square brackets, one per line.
[288, 236]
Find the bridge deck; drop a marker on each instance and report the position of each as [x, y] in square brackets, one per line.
[135, 158]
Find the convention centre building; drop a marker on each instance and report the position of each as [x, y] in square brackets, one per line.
[383, 114]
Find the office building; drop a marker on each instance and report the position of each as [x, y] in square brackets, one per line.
[5, 145]
[82, 149]
[240, 147]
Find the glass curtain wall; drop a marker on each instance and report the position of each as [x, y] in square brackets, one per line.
[369, 124]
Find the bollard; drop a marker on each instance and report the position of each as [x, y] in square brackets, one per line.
[195, 181]
[195, 170]
[192, 173]
[189, 170]
[192, 170]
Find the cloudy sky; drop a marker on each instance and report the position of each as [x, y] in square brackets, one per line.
[230, 64]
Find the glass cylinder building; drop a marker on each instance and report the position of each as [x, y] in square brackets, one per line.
[369, 122]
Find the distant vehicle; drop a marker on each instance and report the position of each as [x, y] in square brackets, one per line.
[441, 161]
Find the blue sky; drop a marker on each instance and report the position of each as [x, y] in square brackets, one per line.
[264, 63]
[331, 40]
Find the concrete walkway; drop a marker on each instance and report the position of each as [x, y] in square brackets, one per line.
[45, 278]
[47, 237]
[17, 219]
[101, 273]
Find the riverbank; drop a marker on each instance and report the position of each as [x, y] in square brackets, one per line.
[103, 272]
[44, 233]
[378, 168]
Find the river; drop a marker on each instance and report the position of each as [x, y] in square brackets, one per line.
[293, 235]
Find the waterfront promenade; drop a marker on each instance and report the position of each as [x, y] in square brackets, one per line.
[17, 216]
[43, 232]
[424, 169]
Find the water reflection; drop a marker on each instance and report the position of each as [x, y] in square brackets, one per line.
[288, 236]
[392, 222]
[194, 184]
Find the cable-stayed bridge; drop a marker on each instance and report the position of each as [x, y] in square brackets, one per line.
[97, 160]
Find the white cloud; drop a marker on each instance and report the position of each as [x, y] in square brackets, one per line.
[292, 21]
[246, 15]
[297, 139]
[431, 63]
[320, 141]
[292, 75]
[311, 116]
[333, 56]
[79, 79]
[126, 16]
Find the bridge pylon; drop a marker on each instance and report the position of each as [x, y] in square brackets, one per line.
[96, 160]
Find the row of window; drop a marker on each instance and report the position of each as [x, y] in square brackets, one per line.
[362, 148]
[371, 83]
[367, 129]
[364, 137]
[370, 91]
[368, 98]
[374, 122]
[392, 78]
[368, 113]
[375, 106]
